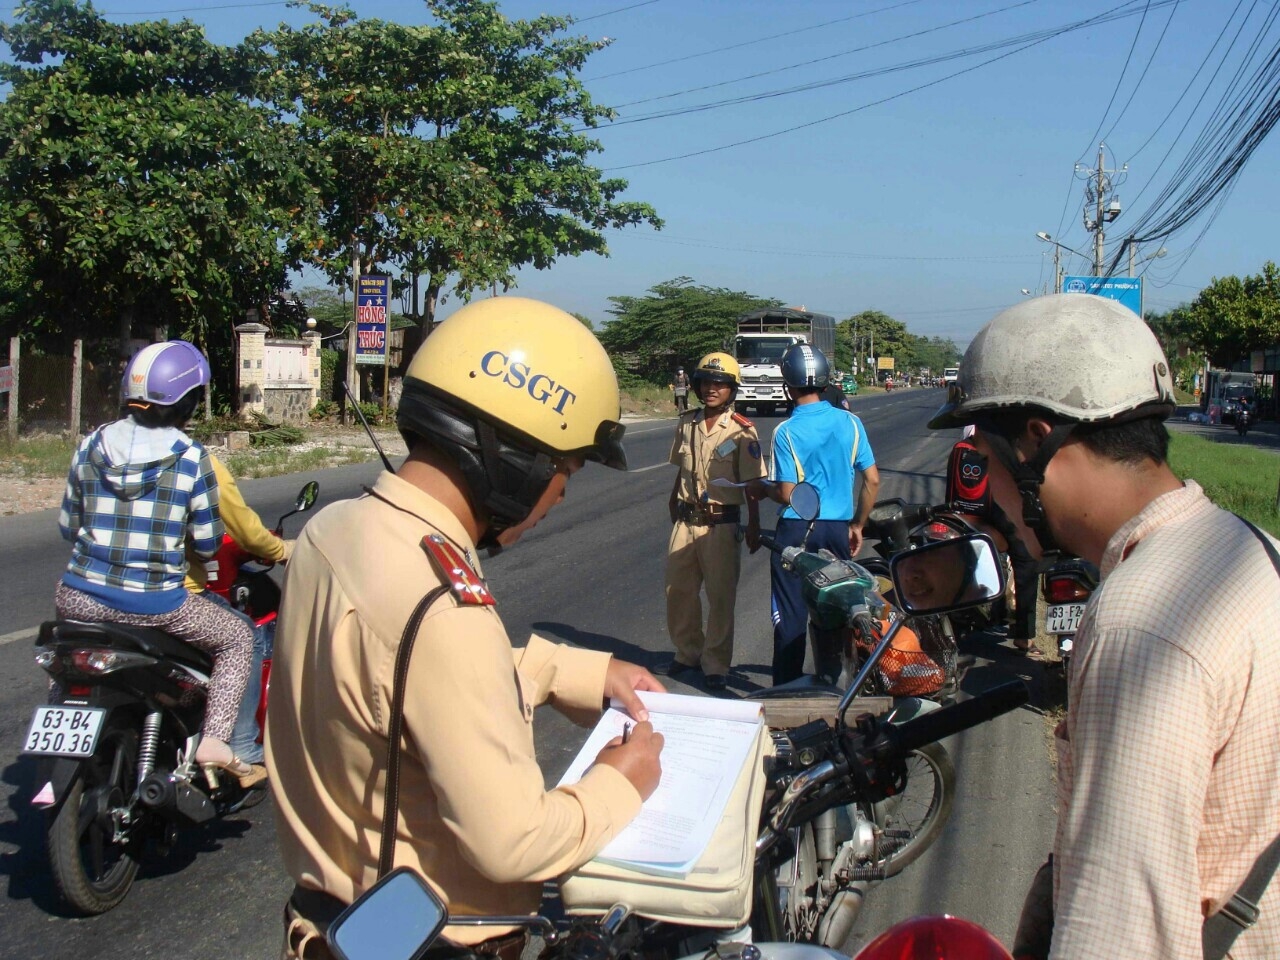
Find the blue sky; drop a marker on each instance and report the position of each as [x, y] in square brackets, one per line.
[925, 206]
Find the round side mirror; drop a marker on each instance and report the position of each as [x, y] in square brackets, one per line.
[948, 575]
[806, 501]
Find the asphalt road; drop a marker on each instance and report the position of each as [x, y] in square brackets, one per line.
[591, 575]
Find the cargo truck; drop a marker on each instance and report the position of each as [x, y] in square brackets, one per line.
[763, 337]
[1223, 391]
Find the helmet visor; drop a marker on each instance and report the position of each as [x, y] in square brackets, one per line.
[951, 413]
[608, 446]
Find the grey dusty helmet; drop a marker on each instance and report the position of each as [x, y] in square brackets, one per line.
[1085, 358]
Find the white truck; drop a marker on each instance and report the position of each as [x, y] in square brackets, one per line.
[763, 337]
[950, 375]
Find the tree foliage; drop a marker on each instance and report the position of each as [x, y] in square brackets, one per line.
[675, 324]
[876, 333]
[454, 152]
[1233, 316]
[136, 181]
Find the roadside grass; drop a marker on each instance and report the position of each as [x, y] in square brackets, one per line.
[39, 455]
[649, 400]
[1235, 477]
[274, 461]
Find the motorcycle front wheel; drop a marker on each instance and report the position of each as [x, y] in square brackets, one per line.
[91, 866]
[914, 819]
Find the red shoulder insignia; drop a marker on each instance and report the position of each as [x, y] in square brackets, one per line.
[468, 586]
[742, 421]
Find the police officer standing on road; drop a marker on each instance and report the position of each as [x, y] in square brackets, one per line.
[680, 388]
[391, 655]
[711, 444]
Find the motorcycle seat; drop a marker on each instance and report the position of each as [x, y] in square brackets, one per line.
[148, 640]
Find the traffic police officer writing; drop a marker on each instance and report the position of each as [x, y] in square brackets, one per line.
[713, 443]
[504, 401]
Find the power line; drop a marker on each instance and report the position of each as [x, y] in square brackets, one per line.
[749, 43]
[1110, 14]
[160, 13]
[610, 13]
[833, 56]
[713, 245]
[1137, 86]
[1119, 80]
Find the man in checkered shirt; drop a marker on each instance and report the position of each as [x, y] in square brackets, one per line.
[1169, 772]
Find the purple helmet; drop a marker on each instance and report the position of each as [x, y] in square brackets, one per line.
[163, 373]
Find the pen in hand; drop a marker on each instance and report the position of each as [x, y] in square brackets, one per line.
[626, 731]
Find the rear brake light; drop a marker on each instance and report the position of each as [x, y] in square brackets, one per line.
[1065, 590]
[101, 660]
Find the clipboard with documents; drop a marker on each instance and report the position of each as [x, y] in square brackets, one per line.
[688, 856]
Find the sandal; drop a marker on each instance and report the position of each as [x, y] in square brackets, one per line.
[248, 774]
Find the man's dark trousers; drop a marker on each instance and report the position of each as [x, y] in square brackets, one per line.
[790, 618]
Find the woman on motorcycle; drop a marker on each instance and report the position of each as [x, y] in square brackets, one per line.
[139, 492]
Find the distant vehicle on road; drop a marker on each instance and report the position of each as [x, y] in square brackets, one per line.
[763, 337]
[849, 384]
[1224, 391]
[950, 375]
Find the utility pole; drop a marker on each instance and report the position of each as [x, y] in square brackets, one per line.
[1101, 203]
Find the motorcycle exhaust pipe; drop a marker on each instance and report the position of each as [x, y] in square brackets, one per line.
[837, 922]
[175, 800]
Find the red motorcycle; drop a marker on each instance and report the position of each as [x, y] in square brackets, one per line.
[114, 744]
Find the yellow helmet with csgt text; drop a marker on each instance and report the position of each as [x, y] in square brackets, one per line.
[718, 368]
[508, 386]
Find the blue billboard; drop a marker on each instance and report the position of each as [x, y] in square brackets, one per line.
[1128, 290]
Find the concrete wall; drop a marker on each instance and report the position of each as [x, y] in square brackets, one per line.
[294, 389]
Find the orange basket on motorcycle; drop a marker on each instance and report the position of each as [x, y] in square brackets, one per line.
[916, 662]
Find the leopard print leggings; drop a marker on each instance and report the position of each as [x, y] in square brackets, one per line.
[201, 623]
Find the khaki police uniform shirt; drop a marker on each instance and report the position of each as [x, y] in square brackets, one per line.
[730, 449]
[475, 817]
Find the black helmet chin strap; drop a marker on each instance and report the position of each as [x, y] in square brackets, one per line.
[1029, 475]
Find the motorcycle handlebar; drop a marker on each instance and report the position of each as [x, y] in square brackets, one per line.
[899, 740]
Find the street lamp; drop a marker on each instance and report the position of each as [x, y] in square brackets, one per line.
[1057, 269]
[1133, 263]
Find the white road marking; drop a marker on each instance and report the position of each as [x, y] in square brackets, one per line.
[18, 635]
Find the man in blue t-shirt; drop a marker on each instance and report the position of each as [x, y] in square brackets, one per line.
[828, 448]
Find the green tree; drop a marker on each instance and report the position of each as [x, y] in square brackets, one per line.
[675, 324]
[1233, 316]
[136, 182]
[454, 151]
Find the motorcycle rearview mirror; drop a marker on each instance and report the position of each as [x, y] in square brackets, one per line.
[807, 503]
[398, 918]
[306, 500]
[947, 575]
[307, 496]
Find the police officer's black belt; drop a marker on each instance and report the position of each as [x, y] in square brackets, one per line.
[708, 514]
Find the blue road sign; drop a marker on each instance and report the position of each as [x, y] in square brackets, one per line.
[1128, 290]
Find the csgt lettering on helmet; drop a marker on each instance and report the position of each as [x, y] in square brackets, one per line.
[519, 376]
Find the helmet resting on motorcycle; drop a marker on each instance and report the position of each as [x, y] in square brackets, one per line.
[934, 938]
[167, 375]
[1074, 359]
[718, 368]
[804, 366]
[506, 387]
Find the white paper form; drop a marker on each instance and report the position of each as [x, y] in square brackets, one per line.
[706, 744]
